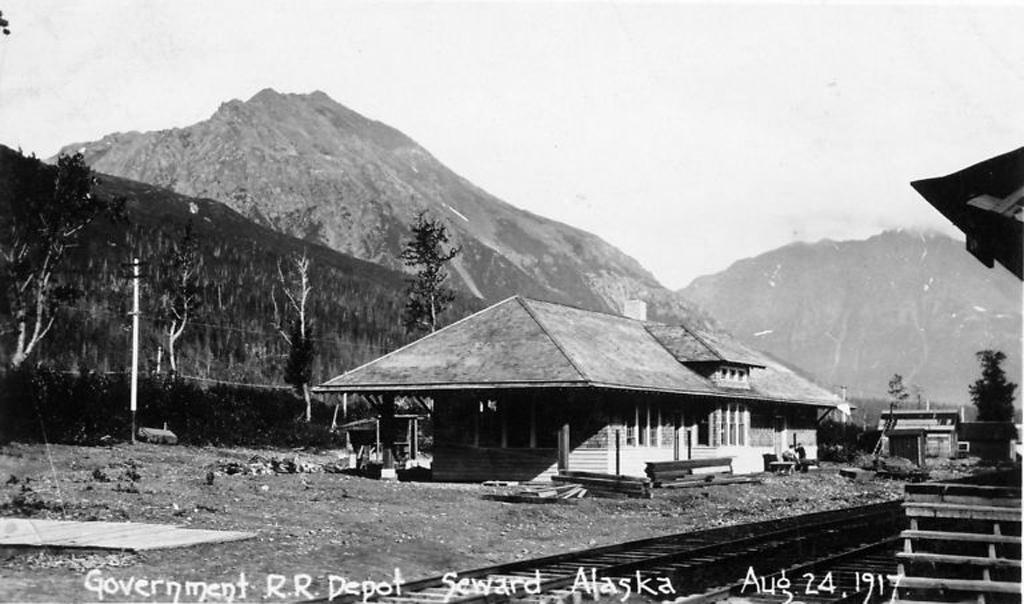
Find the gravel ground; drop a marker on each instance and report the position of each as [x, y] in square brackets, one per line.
[324, 524]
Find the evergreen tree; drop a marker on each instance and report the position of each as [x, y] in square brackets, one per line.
[897, 391]
[298, 370]
[428, 254]
[993, 394]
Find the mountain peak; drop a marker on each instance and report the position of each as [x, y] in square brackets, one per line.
[307, 166]
[265, 95]
[269, 96]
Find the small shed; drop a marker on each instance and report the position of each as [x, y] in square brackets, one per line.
[992, 441]
[908, 444]
[364, 437]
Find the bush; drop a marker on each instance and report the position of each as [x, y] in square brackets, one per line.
[838, 441]
[39, 404]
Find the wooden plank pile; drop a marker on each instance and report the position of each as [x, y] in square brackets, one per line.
[607, 485]
[681, 475]
[963, 543]
[542, 493]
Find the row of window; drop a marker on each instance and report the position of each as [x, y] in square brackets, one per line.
[645, 427]
[491, 423]
[723, 426]
[735, 374]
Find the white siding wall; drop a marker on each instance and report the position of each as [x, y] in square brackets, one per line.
[634, 458]
[745, 460]
[588, 460]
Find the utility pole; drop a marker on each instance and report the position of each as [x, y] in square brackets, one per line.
[135, 343]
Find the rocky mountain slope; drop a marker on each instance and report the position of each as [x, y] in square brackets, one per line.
[307, 166]
[855, 312]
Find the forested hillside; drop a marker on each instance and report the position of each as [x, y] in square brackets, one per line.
[356, 306]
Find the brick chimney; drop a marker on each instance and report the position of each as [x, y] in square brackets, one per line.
[635, 309]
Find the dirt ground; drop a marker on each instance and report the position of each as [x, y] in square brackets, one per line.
[324, 524]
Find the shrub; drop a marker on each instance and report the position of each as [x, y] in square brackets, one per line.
[88, 408]
[838, 441]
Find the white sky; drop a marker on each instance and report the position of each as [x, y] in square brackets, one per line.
[688, 135]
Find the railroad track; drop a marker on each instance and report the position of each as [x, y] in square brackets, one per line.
[860, 575]
[660, 568]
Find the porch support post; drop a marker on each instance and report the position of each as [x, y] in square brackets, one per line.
[476, 421]
[387, 434]
[533, 422]
[504, 424]
[563, 446]
[677, 435]
[618, 452]
[414, 449]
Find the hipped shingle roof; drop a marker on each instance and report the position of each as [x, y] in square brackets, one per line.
[521, 342]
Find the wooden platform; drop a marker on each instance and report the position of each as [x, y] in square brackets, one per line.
[132, 536]
[964, 540]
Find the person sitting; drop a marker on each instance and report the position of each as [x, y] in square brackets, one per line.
[801, 456]
[790, 455]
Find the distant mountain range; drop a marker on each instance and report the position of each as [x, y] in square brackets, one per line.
[856, 312]
[306, 166]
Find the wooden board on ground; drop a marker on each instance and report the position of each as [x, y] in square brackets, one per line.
[710, 482]
[519, 498]
[602, 476]
[132, 536]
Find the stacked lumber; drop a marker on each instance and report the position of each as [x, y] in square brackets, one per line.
[545, 493]
[607, 485]
[963, 543]
[565, 491]
[681, 474]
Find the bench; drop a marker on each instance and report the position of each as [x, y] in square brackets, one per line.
[781, 467]
[773, 464]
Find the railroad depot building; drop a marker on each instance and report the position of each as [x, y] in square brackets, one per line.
[525, 388]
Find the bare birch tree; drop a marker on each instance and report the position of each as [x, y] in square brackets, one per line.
[178, 297]
[41, 219]
[297, 330]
